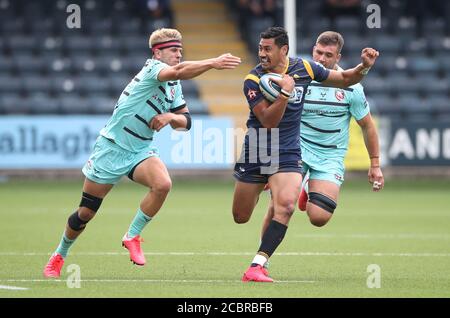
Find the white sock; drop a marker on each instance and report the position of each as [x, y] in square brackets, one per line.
[259, 259]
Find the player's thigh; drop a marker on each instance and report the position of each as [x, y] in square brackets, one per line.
[285, 188]
[152, 172]
[98, 190]
[327, 188]
[245, 198]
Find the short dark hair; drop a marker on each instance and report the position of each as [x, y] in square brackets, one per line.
[331, 38]
[278, 33]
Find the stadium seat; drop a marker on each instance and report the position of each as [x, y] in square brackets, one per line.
[439, 105]
[74, 104]
[388, 44]
[347, 24]
[102, 104]
[196, 106]
[20, 44]
[401, 83]
[10, 84]
[62, 84]
[6, 65]
[26, 63]
[190, 89]
[383, 105]
[132, 64]
[35, 83]
[82, 63]
[42, 104]
[91, 84]
[376, 85]
[75, 44]
[105, 44]
[13, 104]
[422, 64]
[118, 82]
[10, 25]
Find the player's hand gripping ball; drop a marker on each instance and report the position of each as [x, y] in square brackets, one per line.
[270, 89]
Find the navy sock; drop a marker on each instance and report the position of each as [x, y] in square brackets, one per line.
[272, 237]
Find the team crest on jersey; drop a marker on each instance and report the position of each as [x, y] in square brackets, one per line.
[251, 93]
[338, 177]
[323, 93]
[339, 94]
[298, 94]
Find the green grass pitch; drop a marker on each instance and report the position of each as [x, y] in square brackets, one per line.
[194, 249]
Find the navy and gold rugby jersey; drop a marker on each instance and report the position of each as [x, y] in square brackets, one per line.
[303, 72]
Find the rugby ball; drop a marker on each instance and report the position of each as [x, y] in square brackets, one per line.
[270, 89]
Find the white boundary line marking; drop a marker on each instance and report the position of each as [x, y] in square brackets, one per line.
[12, 287]
[400, 236]
[148, 281]
[237, 254]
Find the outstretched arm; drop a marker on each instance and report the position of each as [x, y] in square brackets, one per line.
[373, 149]
[191, 69]
[346, 78]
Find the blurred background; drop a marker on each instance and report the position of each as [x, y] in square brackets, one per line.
[59, 84]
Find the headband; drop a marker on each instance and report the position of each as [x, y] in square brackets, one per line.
[166, 44]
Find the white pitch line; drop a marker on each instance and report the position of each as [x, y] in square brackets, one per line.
[189, 281]
[426, 254]
[12, 287]
[400, 236]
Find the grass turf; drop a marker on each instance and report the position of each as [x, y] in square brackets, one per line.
[194, 249]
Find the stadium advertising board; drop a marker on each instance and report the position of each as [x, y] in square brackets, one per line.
[419, 143]
[60, 142]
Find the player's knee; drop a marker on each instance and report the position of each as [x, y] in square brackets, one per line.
[162, 186]
[286, 208]
[319, 221]
[77, 223]
[322, 201]
[89, 205]
[239, 218]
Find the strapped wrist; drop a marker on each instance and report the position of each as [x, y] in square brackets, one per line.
[285, 93]
[364, 70]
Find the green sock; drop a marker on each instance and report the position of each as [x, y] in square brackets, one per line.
[138, 224]
[64, 245]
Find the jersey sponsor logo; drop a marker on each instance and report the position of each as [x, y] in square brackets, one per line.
[323, 93]
[298, 91]
[161, 103]
[339, 94]
[251, 94]
[172, 93]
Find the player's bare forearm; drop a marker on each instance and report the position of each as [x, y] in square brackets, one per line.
[191, 69]
[178, 121]
[371, 141]
[346, 78]
[349, 77]
[188, 70]
[269, 115]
